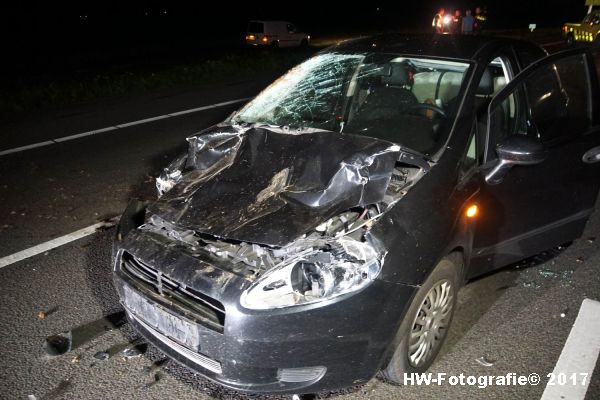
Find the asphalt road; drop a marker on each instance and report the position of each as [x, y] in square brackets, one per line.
[517, 319]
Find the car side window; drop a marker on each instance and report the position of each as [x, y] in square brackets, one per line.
[507, 118]
[558, 101]
[528, 54]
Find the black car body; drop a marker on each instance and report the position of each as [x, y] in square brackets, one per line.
[289, 253]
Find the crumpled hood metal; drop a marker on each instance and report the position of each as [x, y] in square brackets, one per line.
[266, 187]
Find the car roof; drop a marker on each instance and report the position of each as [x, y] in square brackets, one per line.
[460, 47]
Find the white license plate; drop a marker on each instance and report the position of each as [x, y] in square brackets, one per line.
[172, 326]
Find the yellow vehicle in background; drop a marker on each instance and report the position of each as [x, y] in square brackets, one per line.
[588, 29]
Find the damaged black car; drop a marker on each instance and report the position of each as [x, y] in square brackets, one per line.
[321, 233]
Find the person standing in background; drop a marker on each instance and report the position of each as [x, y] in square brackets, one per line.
[467, 23]
[438, 21]
[457, 22]
[480, 20]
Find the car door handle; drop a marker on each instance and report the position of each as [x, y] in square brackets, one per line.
[592, 155]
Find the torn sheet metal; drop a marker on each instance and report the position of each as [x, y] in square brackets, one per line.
[251, 260]
[260, 186]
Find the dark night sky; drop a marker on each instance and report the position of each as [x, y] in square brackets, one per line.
[35, 34]
[52, 17]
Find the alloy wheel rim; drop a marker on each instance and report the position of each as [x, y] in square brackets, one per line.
[431, 323]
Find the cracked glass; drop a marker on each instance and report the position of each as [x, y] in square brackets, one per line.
[405, 100]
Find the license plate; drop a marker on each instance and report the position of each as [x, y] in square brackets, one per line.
[167, 324]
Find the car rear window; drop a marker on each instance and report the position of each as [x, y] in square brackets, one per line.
[255, 27]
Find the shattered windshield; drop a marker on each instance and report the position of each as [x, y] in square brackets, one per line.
[406, 100]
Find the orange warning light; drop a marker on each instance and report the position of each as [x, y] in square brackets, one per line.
[472, 211]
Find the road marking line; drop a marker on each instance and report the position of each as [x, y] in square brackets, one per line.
[84, 134]
[54, 243]
[28, 147]
[119, 126]
[579, 354]
[141, 121]
[193, 110]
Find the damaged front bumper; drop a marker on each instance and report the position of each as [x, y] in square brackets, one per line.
[196, 318]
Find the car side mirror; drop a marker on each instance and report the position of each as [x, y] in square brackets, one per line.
[515, 150]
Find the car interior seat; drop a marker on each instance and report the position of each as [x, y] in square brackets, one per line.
[384, 113]
[392, 94]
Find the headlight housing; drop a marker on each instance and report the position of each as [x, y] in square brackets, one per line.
[315, 277]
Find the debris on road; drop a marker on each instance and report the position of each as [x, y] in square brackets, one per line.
[591, 239]
[485, 362]
[66, 341]
[59, 344]
[156, 365]
[102, 356]
[130, 349]
[564, 313]
[579, 259]
[531, 284]
[45, 313]
[546, 273]
[157, 377]
[76, 359]
[135, 351]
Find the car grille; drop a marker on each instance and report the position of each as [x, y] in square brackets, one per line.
[204, 309]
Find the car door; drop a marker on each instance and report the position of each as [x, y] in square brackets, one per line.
[536, 207]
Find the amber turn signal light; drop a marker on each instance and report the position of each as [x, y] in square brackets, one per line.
[472, 211]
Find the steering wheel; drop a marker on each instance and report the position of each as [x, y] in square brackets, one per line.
[426, 106]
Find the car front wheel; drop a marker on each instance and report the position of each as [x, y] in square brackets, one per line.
[426, 323]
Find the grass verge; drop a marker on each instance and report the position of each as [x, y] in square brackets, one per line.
[241, 65]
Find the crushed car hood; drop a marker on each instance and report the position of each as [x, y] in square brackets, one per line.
[261, 186]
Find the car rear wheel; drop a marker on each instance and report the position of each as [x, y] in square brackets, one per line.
[426, 323]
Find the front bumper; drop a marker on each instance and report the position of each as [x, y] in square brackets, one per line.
[302, 349]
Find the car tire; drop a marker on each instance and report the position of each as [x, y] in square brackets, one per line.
[445, 275]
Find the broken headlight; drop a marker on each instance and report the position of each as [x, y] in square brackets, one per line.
[312, 279]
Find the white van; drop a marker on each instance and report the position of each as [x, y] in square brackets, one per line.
[275, 34]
